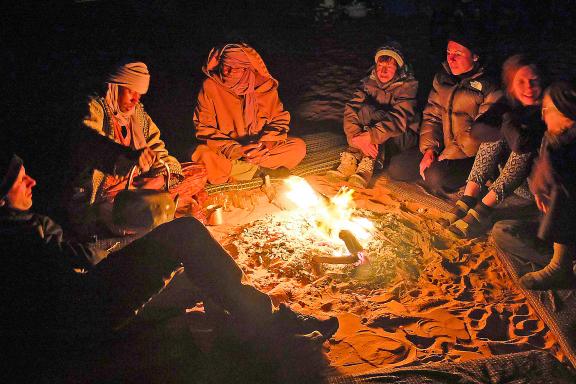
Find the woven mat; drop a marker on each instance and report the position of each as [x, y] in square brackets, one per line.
[322, 154]
[533, 367]
[557, 308]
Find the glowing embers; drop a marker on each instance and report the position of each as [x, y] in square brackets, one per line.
[286, 243]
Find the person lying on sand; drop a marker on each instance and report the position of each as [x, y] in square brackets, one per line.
[553, 182]
[119, 116]
[511, 132]
[240, 119]
[461, 92]
[56, 293]
[380, 122]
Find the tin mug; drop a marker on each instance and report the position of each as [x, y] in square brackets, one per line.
[215, 214]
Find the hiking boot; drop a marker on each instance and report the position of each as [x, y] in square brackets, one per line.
[347, 167]
[291, 321]
[363, 173]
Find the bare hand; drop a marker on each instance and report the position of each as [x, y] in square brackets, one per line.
[255, 153]
[146, 159]
[363, 142]
[428, 159]
[542, 202]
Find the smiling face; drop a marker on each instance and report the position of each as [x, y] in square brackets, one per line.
[127, 99]
[460, 59]
[386, 68]
[20, 194]
[526, 86]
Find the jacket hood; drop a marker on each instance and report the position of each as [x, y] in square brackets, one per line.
[264, 81]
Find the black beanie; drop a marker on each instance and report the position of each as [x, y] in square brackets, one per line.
[563, 95]
[467, 38]
[10, 165]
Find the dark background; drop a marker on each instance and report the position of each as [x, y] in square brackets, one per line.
[55, 54]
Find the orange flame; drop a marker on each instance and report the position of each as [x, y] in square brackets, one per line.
[329, 216]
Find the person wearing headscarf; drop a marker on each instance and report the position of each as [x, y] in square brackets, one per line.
[119, 116]
[380, 122]
[60, 296]
[511, 132]
[553, 183]
[461, 92]
[240, 121]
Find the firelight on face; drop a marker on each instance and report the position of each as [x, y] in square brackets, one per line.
[460, 59]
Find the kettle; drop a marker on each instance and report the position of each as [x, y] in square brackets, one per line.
[143, 209]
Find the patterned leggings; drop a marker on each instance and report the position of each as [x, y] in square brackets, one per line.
[512, 177]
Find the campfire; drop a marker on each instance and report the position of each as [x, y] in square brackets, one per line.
[316, 228]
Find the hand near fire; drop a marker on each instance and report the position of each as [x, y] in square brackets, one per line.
[255, 153]
[363, 142]
[428, 159]
[542, 202]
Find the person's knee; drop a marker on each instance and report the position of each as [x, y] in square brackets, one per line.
[296, 152]
[183, 226]
[299, 148]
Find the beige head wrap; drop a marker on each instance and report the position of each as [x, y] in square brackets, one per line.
[134, 76]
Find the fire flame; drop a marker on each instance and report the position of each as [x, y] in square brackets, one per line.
[329, 216]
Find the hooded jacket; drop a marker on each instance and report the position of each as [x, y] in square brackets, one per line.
[219, 115]
[453, 105]
[384, 110]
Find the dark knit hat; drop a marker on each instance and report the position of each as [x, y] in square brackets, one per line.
[10, 165]
[466, 37]
[563, 95]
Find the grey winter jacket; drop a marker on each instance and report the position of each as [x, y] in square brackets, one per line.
[384, 110]
[453, 105]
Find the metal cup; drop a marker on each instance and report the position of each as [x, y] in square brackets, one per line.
[215, 214]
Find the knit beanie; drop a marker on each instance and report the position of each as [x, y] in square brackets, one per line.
[10, 165]
[392, 49]
[134, 76]
[467, 38]
[563, 95]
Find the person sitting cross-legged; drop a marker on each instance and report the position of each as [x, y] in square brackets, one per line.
[118, 116]
[240, 121]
